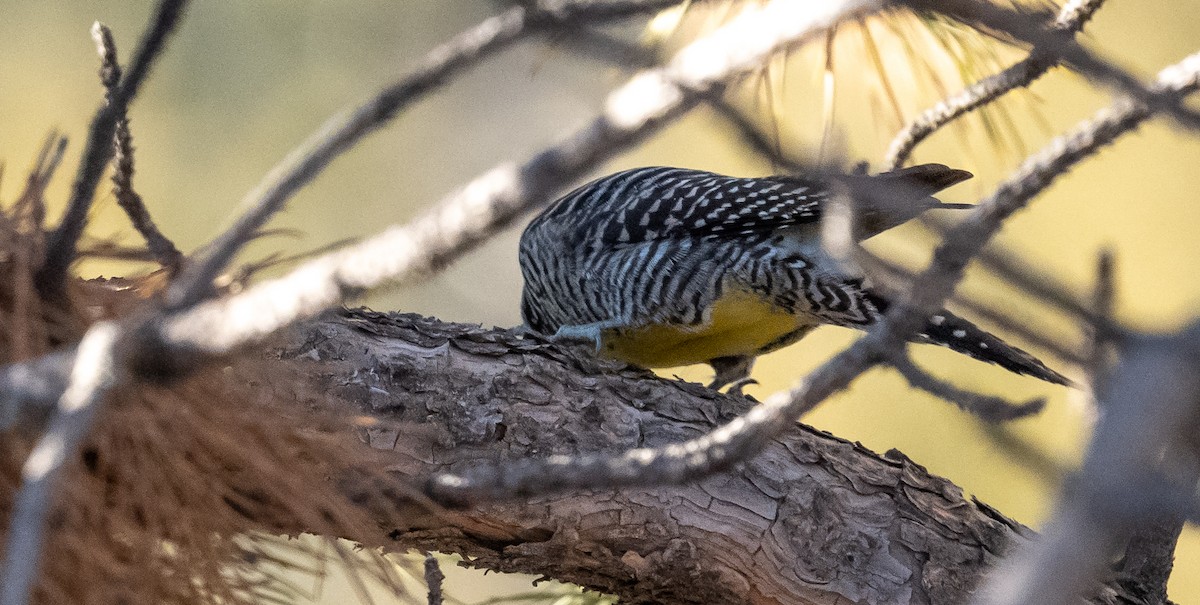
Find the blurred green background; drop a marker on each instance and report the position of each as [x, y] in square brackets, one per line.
[243, 82]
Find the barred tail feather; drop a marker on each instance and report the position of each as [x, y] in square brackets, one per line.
[962, 336]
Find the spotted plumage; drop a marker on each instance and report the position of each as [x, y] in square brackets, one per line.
[670, 266]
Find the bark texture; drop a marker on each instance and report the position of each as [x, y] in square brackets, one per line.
[812, 519]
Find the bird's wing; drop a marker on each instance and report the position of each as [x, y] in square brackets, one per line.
[654, 203]
[665, 203]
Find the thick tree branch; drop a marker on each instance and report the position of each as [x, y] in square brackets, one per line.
[812, 519]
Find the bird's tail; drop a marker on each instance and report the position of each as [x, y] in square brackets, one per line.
[965, 337]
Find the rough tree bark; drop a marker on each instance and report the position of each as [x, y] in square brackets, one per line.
[813, 519]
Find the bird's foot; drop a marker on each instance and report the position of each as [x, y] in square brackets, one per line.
[733, 370]
[581, 334]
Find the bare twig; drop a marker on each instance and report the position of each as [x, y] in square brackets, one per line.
[1071, 18]
[745, 435]
[344, 130]
[647, 102]
[128, 199]
[1019, 451]
[986, 407]
[32, 204]
[1149, 554]
[593, 43]
[110, 67]
[60, 250]
[969, 237]
[990, 15]
[95, 372]
[1101, 335]
[618, 52]
[433, 579]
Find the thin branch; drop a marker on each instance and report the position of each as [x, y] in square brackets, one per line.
[60, 250]
[127, 198]
[1071, 19]
[346, 129]
[1021, 452]
[620, 53]
[747, 434]
[990, 15]
[602, 46]
[970, 237]
[161, 248]
[32, 203]
[110, 67]
[1101, 337]
[433, 579]
[1149, 554]
[988, 408]
[94, 374]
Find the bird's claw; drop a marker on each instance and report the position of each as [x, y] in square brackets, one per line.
[735, 389]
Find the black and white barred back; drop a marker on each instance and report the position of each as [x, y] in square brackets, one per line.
[659, 246]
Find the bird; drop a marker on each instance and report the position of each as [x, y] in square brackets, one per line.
[663, 267]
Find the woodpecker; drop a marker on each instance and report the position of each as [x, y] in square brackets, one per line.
[663, 267]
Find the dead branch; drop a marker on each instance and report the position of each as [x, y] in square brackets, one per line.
[433, 579]
[60, 248]
[822, 561]
[162, 248]
[645, 104]
[147, 341]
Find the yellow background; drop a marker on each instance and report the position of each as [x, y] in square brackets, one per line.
[245, 81]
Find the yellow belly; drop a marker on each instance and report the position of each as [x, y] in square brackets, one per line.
[742, 323]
